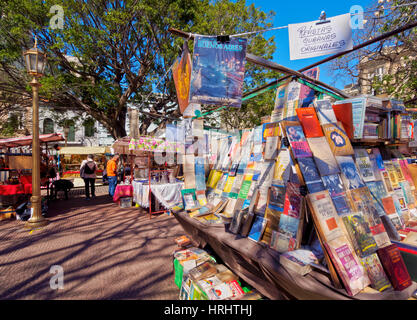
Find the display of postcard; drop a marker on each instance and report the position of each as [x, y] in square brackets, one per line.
[298, 142]
[360, 234]
[218, 71]
[323, 156]
[325, 112]
[287, 233]
[271, 148]
[337, 139]
[350, 175]
[376, 273]
[364, 164]
[258, 228]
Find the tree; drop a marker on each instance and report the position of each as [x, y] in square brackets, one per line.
[397, 54]
[112, 53]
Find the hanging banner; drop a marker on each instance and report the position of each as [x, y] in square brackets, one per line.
[181, 72]
[218, 71]
[318, 38]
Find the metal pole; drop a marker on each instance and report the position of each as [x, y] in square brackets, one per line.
[36, 220]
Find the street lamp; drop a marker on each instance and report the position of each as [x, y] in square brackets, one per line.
[35, 64]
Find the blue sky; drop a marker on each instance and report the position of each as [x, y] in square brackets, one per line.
[297, 11]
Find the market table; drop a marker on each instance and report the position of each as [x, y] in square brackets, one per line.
[11, 189]
[121, 191]
[168, 194]
[259, 266]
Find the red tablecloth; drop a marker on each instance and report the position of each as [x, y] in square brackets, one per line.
[122, 191]
[11, 189]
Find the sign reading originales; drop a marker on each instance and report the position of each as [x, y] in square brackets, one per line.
[218, 71]
[318, 38]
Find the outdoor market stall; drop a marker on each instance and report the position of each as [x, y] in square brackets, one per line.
[70, 159]
[319, 186]
[16, 175]
[151, 175]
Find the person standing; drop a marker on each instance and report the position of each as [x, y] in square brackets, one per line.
[112, 174]
[88, 173]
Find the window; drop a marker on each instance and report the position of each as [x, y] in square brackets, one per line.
[48, 126]
[89, 129]
[71, 133]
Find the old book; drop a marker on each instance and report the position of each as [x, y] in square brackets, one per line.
[293, 198]
[247, 223]
[347, 264]
[276, 197]
[309, 122]
[337, 139]
[298, 261]
[364, 164]
[343, 113]
[325, 112]
[204, 270]
[360, 234]
[392, 173]
[376, 273]
[282, 167]
[287, 233]
[189, 199]
[310, 174]
[237, 220]
[294, 133]
[323, 156]
[272, 217]
[323, 209]
[394, 267]
[257, 229]
[271, 147]
[349, 172]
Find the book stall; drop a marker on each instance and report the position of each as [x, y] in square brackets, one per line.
[153, 181]
[315, 203]
[16, 171]
[70, 159]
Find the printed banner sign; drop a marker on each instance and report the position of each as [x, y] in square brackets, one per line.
[318, 38]
[218, 71]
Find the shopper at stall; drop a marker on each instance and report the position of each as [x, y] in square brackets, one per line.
[112, 174]
[88, 173]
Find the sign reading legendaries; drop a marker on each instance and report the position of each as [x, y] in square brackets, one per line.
[218, 71]
[318, 38]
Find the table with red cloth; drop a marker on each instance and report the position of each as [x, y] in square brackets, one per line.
[11, 189]
[122, 191]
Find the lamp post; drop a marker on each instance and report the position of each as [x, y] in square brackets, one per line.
[35, 64]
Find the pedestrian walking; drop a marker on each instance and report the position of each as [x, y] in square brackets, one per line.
[112, 173]
[88, 173]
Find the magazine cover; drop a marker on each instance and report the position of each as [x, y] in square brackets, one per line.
[307, 94]
[298, 141]
[218, 71]
[350, 174]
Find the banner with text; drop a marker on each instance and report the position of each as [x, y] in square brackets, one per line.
[318, 38]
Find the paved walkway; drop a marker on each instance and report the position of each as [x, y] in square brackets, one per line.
[106, 253]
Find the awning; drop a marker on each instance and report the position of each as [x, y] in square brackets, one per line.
[84, 150]
[27, 140]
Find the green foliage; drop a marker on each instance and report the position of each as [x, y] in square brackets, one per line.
[111, 53]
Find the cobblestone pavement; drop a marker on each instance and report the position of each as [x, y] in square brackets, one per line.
[106, 252]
